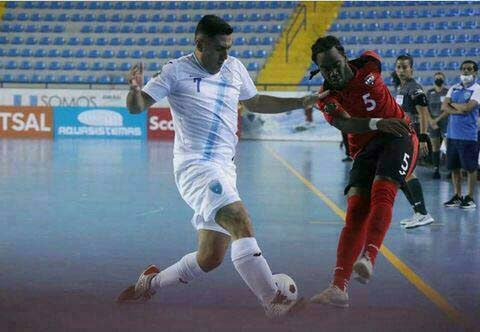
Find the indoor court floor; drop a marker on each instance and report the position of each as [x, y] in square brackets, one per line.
[80, 219]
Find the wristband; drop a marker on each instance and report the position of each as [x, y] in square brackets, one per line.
[423, 138]
[372, 124]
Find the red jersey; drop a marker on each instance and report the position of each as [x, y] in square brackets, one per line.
[364, 96]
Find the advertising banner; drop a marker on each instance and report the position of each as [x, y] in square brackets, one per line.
[160, 124]
[106, 122]
[67, 98]
[26, 122]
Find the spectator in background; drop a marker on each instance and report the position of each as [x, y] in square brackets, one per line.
[461, 104]
[412, 98]
[436, 96]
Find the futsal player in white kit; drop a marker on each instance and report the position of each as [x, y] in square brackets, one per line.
[203, 89]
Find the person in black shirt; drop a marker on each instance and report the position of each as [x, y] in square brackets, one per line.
[436, 96]
[412, 98]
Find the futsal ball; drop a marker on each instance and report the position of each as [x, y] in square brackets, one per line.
[286, 286]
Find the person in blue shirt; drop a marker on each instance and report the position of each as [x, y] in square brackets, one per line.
[461, 105]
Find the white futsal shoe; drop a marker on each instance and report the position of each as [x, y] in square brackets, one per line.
[363, 267]
[419, 220]
[142, 290]
[281, 307]
[332, 296]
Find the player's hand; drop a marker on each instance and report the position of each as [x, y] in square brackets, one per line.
[311, 100]
[398, 127]
[135, 75]
[423, 149]
[434, 124]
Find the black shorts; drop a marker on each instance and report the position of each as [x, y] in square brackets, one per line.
[385, 155]
[462, 154]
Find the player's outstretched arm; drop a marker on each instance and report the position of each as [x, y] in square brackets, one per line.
[271, 105]
[347, 124]
[137, 100]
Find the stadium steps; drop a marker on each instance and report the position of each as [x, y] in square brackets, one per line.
[320, 16]
[2, 9]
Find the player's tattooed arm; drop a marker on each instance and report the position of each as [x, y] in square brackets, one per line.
[271, 105]
[137, 100]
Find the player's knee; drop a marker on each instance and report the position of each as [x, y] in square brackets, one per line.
[234, 218]
[209, 260]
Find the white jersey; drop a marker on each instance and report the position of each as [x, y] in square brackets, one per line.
[204, 106]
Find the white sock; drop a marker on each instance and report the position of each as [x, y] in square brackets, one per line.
[253, 268]
[183, 271]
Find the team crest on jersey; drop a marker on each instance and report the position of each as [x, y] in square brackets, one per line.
[216, 187]
[370, 79]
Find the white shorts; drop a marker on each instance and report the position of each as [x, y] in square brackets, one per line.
[207, 187]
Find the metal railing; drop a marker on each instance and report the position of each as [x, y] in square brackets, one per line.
[301, 14]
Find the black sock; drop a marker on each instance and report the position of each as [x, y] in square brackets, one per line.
[418, 203]
[407, 194]
[436, 159]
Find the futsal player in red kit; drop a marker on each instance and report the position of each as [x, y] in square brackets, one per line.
[383, 146]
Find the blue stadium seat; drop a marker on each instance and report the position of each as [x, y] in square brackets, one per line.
[129, 41]
[50, 78]
[63, 79]
[23, 17]
[417, 53]
[54, 65]
[87, 41]
[26, 53]
[104, 79]
[475, 39]
[125, 66]
[118, 80]
[171, 41]
[443, 25]
[156, 41]
[390, 53]
[97, 66]
[380, 40]
[335, 27]
[140, 29]
[39, 65]
[58, 29]
[444, 52]
[266, 17]
[154, 66]
[7, 78]
[184, 41]
[80, 53]
[460, 52]
[438, 65]
[356, 15]
[16, 40]
[10, 4]
[427, 26]
[35, 17]
[254, 17]
[262, 28]
[68, 66]
[281, 16]
[387, 26]
[453, 65]
[424, 13]
[247, 54]
[424, 66]
[111, 66]
[474, 51]
[455, 25]
[35, 78]
[192, 29]
[448, 38]
[77, 79]
[91, 79]
[100, 29]
[31, 28]
[164, 54]
[261, 54]
[93, 5]
[108, 54]
[178, 54]
[80, 5]
[430, 53]
[234, 53]
[351, 40]
[428, 81]
[143, 41]
[248, 28]
[101, 41]
[53, 53]
[67, 53]
[116, 18]
[49, 17]
[136, 54]
[11, 65]
[452, 12]
[372, 27]
[45, 29]
[130, 18]
[143, 18]
[94, 54]
[86, 29]
[151, 54]
[180, 29]
[40, 53]
[170, 18]
[420, 39]
[401, 26]
[254, 41]
[73, 41]
[63, 17]
[406, 39]
[82, 66]
[22, 78]
[156, 18]
[276, 28]
[158, 5]
[122, 54]
[59, 41]
[434, 39]
[167, 29]
[393, 40]
[152, 29]
[346, 27]
[439, 13]
[267, 41]
[184, 18]
[116, 29]
[252, 66]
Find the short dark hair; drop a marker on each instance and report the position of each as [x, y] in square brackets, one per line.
[405, 57]
[324, 44]
[475, 65]
[439, 73]
[211, 25]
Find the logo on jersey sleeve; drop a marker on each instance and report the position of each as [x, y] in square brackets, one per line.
[370, 80]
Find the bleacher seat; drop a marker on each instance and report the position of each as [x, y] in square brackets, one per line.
[122, 54]
[136, 54]
[151, 54]
[94, 54]
[39, 65]
[164, 54]
[54, 65]
[11, 65]
[68, 66]
[125, 66]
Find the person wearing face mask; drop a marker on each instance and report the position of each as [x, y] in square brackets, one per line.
[461, 105]
[413, 100]
[436, 96]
